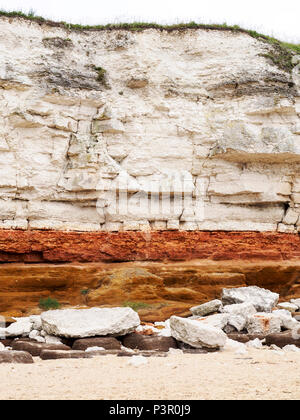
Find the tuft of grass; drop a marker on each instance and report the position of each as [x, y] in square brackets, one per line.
[101, 77]
[136, 306]
[84, 292]
[281, 56]
[48, 304]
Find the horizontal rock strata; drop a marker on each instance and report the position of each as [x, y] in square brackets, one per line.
[159, 289]
[57, 247]
[88, 116]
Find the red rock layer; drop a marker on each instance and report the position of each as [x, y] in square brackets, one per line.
[54, 246]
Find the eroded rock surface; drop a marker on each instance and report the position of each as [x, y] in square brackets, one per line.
[86, 114]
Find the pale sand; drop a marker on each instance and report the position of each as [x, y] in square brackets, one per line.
[261, 374]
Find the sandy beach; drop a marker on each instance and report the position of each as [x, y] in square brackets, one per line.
[260, 374]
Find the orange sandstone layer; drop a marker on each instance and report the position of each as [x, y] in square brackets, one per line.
[58, 247]
[164, 288]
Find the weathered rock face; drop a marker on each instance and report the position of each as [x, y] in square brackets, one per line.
[88, 114]
[103, 133]
[164, 288]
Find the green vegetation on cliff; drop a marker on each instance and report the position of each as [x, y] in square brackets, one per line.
[281, 56]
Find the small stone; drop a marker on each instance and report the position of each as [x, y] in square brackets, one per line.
[93, 349]
[207, 308]
[137, 83]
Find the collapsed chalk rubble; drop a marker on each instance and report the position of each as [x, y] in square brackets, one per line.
[246, 318]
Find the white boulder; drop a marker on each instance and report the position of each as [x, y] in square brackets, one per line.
[80, 323]
[21, 328]
[207, 308]
[263, 323]
[263, 300]
[287, 321]
[2, 347]
[197, 334]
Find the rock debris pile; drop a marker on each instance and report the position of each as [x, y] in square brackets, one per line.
[245, 317]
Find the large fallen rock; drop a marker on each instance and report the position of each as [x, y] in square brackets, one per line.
[35, 349]
[15, 357]
[263, 323]
[207, 308]
[196, 334]
[143, 342]
[81, 323]
[263, 300]
[107, 343]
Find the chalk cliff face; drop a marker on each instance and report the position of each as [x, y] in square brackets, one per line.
[89, 117]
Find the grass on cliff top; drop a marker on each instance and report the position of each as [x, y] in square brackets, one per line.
[281, 56]
[140, 26]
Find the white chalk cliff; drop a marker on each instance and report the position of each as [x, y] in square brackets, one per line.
[86, 113]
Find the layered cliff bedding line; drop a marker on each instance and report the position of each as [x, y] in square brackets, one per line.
[58, 247]
[90, 115]
[156, 290]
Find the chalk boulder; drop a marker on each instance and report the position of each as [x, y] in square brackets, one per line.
[80, 323]
[197, 334]
[263, 300]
